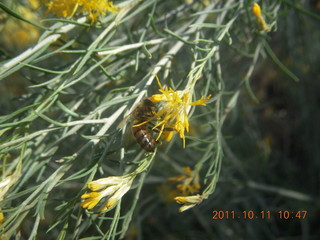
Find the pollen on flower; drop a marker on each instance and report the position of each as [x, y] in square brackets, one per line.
[92, 8]
[174, 110]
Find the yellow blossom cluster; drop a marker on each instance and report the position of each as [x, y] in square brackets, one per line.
[189, 185]
[173, 113]
[112, 188]
[93, 8]
[189, 201]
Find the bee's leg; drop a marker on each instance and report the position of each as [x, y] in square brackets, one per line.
[157, 129]
[160, 131]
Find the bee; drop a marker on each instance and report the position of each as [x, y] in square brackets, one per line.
[141, 115]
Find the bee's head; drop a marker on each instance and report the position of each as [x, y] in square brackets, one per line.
[150, 105]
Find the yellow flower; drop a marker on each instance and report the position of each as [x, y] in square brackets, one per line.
[5, 185]
[34, 4]
[189, 201]
[174, 111]
[93, 8]
[2, 218]
[8, 181]
[256, 10]
[190, 182]
[112, 188]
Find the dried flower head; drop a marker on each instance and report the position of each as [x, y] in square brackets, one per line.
[93, 8]
[173, 113]
[189, 201]
[189, 182]
[111, 188]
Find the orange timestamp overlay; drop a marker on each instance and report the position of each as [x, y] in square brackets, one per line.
[250, 214]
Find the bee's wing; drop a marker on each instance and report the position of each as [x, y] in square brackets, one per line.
[124, 121]
[126, 138]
